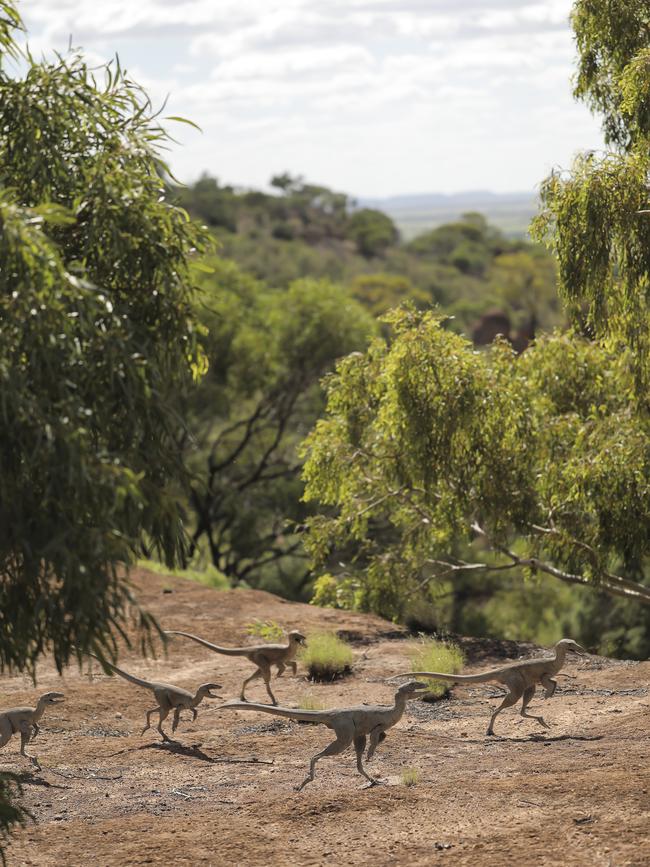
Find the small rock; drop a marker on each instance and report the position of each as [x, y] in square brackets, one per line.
[118, 716]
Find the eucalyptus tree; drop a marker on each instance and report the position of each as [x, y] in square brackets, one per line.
[96, 341]
[542, 462]
[535, 460]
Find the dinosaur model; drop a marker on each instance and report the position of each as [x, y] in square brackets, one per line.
[168, 697]
[519, 678]
[25, 720]
[261, 655]
[351, 725]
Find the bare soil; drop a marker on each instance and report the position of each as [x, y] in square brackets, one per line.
[576, 794]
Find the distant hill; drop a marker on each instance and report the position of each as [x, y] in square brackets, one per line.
[413, 214]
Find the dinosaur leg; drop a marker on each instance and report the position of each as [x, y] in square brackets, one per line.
[376, 737]
[528, 695]
[281, 669]
[177, 718]
[342, 742]
[294, 666]
[25, 735]
[512, 698]
[255, 674]
[359, 748]
[6, 731]
[36, 729]
[148, 725]
[549, 685]
[266, 674]
[163, 713]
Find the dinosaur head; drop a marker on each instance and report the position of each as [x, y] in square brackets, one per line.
[296, 637]
[205, 690]
[52, 698]
[570, 644]
[411, 687]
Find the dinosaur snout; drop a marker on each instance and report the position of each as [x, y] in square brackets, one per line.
[55, 698]
[208, 687]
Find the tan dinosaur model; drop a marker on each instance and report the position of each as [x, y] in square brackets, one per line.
[519, 678]
[168, 697]
[351, 725]
[25, 720]
[262, 655]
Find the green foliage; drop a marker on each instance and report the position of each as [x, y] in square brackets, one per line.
[427, 446]
[268, 350]
[208, 575]
[435, 655]
[326, 656]
[96, 341]
[11, 812]
[310, 231]
[372, 231]
[379, 293]
[309, 701]
[409, 777]
[612, 37]
[269, 630]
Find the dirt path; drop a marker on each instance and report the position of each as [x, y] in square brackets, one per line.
[579, 794]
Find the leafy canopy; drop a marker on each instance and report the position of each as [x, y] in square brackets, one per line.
[96, 341]
[427, 442]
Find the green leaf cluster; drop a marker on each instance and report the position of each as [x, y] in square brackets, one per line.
[96, 341]
[427, 443]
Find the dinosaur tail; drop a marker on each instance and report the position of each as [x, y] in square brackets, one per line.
[228, 651]
[451, 678]
[289, 712]
[131, 677]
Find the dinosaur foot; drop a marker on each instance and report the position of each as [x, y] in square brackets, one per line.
[371, 783]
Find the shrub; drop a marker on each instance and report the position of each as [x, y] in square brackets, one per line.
[327, 657]
[310, 702]
[269, 630]
[435, 655]
[410, 776]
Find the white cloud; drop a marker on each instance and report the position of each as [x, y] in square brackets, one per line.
[371, 96]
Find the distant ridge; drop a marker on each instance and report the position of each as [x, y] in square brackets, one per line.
[416, 212]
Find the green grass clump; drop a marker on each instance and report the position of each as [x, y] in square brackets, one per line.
[310, 702]
[210, 576]
[434, 655]
[269, 630]
[410, 776]
[326, 656]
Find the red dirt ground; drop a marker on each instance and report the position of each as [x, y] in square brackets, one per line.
[577, 794]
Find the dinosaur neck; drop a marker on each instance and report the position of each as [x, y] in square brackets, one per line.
[39, 710]
[560, 655]
[198, 698]
[400, 704]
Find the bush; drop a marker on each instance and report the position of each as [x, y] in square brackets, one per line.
[310, 702]
[327, 657]
[435, 655]
[269, 630]
[410, 776]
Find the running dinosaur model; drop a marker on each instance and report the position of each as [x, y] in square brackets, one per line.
[168, 697]
[25, 720]
[261, 655]
[519, 678]
[351, 725]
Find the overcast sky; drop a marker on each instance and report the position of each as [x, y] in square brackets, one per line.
[373, 97]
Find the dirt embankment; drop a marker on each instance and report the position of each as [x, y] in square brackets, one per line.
[577, 794]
